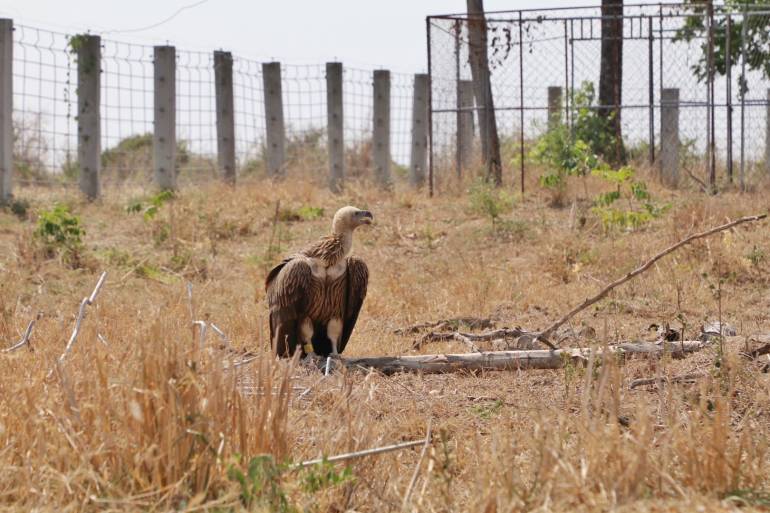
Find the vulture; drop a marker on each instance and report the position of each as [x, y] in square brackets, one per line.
[315, 295]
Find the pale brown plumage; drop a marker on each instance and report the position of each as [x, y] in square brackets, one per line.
[316, 294]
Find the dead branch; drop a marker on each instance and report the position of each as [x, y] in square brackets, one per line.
[684, 378]
[515, 360]
[543, 336]
[360, 454]
[416, 473]
[756, 353]
[25, 338]
[705, 188]
[468, 339]
[81, 314]
[470, 322]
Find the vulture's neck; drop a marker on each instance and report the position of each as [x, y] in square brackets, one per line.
[345, 236]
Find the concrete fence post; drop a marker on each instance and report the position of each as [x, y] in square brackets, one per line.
[669, 137]
[223, 90]
[419, 157]
[6, 109]
[381, 126]
[554, 107]
[767, 134]
[276, 134]
[89, 55]
[334, 125]
[164, 136]
[465, 127]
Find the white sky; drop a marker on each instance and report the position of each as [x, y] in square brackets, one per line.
[361, 33]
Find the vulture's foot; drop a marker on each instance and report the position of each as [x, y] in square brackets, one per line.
[313, 360]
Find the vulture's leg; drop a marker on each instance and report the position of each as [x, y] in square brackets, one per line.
[334, 331]
[306, 333]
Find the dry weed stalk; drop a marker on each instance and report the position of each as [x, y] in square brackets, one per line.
[543, 335]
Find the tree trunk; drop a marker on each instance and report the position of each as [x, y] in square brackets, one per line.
[482, 87]
[611, 77]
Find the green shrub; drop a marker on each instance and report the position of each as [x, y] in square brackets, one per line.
[640, 207]
[489, 201]
[17, 207]
[261, 484]
[60, 233]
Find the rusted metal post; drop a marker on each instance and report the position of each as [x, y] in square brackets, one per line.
[566, 79]
[711, 107]
[742, 92]
[6, 109]
[729, 94]
[430, 110]
[651, 87]
[521, 102]
[458, 103]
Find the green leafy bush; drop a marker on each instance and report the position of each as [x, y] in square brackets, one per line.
[640, 207]
[489, 201]
[303, 213]
[59, 232]
[150, 207]
[261, 484]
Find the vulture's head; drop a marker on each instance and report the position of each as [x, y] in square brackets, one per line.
[348, 219]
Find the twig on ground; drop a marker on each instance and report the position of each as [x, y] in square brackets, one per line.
[470, 322]
[756, 353]
[25, 338]
[468, 339]
[684, 378]
[416, 473]
[221, 335]
[705, 188]
[543, 335]
[360, 454]
[81, 314]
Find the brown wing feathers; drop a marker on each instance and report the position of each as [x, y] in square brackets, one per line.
[357, 282]
[288, 293]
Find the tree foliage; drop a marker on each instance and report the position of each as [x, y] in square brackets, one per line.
[757, 38]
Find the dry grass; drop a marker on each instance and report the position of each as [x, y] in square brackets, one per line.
[139, 418]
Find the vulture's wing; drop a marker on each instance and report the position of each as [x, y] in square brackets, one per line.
[356, 283]
[288, 292]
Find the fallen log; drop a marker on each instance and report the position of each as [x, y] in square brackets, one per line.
[514, 360]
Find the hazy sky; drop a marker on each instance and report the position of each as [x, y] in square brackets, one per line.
[362, 33]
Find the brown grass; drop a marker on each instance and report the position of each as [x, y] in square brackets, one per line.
[147, 421]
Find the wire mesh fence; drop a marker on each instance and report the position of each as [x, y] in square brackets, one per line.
[45, 114]
[664, 46]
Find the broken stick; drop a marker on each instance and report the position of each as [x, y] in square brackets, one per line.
[514, 360]
[543, 335]
[81, 314]
[25, 338]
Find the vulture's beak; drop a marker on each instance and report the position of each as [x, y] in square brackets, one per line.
[366, 217]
